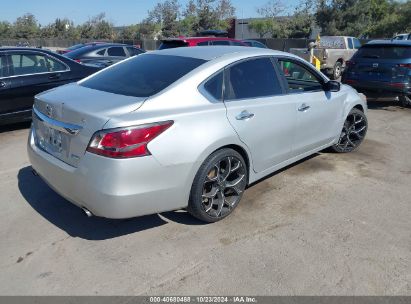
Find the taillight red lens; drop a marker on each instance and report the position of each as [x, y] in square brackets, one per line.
[127, 142]
[349, 63]
[405, 65]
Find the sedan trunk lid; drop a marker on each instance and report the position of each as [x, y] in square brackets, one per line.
[65, 119]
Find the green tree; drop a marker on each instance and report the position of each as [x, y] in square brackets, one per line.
[6, 29]
[26, 27]
[272, 24]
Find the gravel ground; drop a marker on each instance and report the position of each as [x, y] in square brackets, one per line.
[329, 225]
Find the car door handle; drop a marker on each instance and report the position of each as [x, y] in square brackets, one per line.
[244, 115]
[55, 76]
[2, 84]
[303, 107]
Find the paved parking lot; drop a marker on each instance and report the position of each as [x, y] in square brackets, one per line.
[331, 224]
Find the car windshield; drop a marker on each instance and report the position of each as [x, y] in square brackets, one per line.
[142, 76]
[384, 52]
[170, 44]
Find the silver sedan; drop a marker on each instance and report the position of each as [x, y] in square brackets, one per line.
[187, 128]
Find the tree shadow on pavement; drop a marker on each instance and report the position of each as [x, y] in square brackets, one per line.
[72, 219]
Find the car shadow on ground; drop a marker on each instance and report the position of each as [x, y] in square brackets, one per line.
[386, 105]
[72, 219]
[15, 127]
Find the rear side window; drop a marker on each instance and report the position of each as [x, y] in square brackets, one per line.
[142, 76]
[214, 86]
[54, 65]
[350, 45]
[116, 51]
[101, 52]
[221, 42]
[133, 51]
[357, 43]
[172, 44]
[204, 43]
[251, 79]
[384, 52]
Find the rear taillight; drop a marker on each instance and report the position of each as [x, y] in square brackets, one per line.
[404, 65]
[349, 63]
[126, 142]
[77, 60]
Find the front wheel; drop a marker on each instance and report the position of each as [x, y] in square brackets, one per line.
[218, 186]
[353, 132]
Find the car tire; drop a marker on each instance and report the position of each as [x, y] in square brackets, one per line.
[405, 101]
[337, 71]
[353, 132]
[218, 186]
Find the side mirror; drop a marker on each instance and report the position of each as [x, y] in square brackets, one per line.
[332, 86]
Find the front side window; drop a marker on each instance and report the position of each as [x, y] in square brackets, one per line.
[3, 66]
[251, 79]
[142, 76]
[24, 64]
[299, 78]
[214, 86]
[116, 51]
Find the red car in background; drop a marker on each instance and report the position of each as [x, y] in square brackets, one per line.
[198, 41]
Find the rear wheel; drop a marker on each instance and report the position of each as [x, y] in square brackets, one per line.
[337, 71]
[218, 186]
[405, 101]
[353, 132]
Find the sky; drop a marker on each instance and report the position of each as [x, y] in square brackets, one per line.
[120, 12]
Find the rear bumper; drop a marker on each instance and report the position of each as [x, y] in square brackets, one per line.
[379, 88]
[115, 188]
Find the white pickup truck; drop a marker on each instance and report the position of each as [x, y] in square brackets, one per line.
[333, 52]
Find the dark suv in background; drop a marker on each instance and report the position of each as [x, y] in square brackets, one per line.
[103, 55]
[382, 68]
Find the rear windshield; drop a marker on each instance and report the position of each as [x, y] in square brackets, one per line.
[384, 52]
[76, 46]
[172, 44]
[79, 51]
[143, 75]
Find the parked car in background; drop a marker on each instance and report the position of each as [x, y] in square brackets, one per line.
[77, 46]
[406, 36]
[166, 135]
[198, 41]
[382, 68]
[255, 43]
[333, 52]
[103, 55]
[25, 72]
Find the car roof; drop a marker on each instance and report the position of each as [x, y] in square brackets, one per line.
[5, 49]
[389, 42]
[212, 52]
